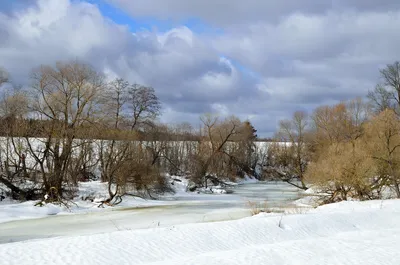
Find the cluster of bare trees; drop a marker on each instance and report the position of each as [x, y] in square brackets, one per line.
[349, 150]
[226, 149]
[72, 125]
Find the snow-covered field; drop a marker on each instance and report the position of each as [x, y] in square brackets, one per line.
[340, 234]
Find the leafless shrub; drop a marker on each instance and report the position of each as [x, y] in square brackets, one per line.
[258, 207]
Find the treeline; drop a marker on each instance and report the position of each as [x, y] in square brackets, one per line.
[71, 125]
[35, 128]
[348, 150]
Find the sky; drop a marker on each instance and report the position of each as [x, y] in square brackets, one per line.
[257, 59]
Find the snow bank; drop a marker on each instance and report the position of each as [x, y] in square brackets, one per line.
[89, 196]
[27, 210]
[91, 193]
[343, 233]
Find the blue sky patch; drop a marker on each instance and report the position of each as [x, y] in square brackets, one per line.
[137, 24]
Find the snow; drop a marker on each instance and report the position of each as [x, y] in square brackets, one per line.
[26, 210]
[91, 193]
[85, 218]
[14, 210]
[342, 233]
[248, 179]
[207, 202]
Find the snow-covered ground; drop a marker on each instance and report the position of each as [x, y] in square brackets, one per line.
[14, 210]
[192, 228]
[342, 233]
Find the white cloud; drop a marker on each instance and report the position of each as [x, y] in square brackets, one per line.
[188, 74]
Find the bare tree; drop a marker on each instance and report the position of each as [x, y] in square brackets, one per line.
[14, 105]
[143, 105]
[382, 99]
[124, 163]
[244, 156]
[14, 170]
[391, 77]
[113, 153]
[290, 159]
[114, 100]
[65, 96]
[387, 93]
[212, 148]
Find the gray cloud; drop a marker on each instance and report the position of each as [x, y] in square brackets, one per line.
[319, 58]
[235, 12]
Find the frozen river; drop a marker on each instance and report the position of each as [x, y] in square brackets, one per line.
[182, 209]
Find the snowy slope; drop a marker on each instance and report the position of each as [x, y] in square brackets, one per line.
[340, 234]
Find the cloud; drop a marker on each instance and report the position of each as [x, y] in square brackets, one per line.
[53, 30]
[226, 13]
[311, 59]
[188, 74]
[269, 59]
[7, 7]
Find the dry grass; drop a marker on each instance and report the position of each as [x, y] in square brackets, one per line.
[297, 210]
[258, 207]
